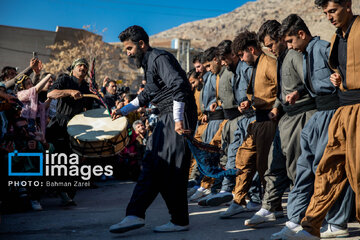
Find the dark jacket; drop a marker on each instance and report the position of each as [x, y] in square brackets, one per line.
[166, 81]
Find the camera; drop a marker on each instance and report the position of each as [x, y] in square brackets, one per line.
[122, 90]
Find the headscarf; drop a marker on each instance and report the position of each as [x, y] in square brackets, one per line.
[79, 61]
[19, 82]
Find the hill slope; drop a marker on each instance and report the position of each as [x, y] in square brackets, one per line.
[209, 32]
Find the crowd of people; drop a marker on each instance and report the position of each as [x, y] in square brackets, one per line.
[282, 104]
[34, 115]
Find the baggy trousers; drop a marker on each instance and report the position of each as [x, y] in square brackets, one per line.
[216, 140]
[228, 183]
[252, 156]
[195, 174]
[339, 164]
[314, 138]
[165, 170]
[284, 152]
[211, 130]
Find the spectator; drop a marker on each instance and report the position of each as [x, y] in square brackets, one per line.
[28, 94]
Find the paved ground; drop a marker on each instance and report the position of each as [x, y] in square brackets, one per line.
[99, 208]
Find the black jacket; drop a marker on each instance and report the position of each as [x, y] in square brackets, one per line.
[165, 81]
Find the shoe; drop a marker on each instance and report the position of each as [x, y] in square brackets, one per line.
[253, 207]
[219, 199]
[170, 227]
[233, 210]
[333, 232]
[127, 224]
[258, 219]
[36, 205]
[302, 235]
[286, 233]
[199, 194]
[203, 201]
[191, 191]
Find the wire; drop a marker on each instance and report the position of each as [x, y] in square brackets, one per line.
[168, 6]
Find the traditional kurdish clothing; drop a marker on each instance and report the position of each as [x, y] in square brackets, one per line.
[341, 158]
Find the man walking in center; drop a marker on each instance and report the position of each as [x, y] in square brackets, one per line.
[167, 158]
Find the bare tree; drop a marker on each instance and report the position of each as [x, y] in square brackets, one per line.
[110, 60]
[90, 46]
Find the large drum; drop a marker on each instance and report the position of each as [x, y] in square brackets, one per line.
[94, 134]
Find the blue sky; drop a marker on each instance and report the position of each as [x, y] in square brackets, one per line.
[114, 15]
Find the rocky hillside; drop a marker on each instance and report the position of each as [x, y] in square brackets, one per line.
[209, 32]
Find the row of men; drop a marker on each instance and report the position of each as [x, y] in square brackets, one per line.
[291, 119]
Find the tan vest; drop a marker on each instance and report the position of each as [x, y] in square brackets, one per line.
[197, 96]
[265, 87]
[353, 56]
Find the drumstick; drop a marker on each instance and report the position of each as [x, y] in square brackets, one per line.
[91, 95]
[98, 98]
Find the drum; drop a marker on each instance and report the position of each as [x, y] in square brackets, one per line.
[94, 134]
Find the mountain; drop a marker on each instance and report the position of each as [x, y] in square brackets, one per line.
[209, 32]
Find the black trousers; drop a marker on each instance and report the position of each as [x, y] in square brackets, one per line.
[165, 170]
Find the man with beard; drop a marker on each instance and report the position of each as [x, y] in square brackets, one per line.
[165, 167]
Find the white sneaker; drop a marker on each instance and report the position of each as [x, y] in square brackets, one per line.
[170, 227]
[36, 205]
[286, 233]
[302, 235]
[199, 194]
[259, 218]
[333, 232]
[219, 199]
[127, 224]
[233, 210]
[252, 207]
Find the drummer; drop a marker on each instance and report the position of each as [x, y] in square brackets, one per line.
[69, 90]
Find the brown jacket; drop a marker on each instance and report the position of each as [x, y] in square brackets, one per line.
[197, 95]
[353, 57]
[265, 86]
